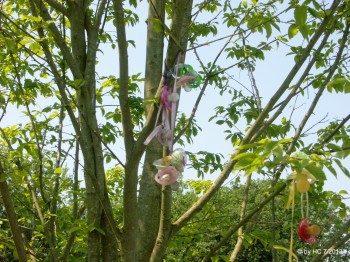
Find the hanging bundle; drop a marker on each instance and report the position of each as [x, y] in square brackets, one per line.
[171, 167]
[302, 180]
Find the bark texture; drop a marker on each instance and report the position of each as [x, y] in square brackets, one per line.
[149, 190]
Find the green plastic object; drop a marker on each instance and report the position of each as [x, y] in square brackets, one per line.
[188, 70]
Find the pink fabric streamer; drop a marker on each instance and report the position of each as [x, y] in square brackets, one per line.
[162, 132]
[165, 131]
[164, 97]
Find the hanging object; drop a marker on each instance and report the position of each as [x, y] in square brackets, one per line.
[188, 78]
[170, 167]
[179, 159]
[167, 176]
[185, 77]
[303, 180]
[308, 233]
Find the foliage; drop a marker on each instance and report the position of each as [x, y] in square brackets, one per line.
[73, 127]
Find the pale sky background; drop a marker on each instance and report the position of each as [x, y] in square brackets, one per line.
[269, 75]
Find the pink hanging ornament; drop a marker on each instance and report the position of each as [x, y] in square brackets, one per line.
[185, 79]
[167, 176]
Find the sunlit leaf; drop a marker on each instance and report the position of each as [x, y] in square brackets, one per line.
[300, 15]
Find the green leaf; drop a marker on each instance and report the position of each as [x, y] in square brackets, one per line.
[332, 170]
[313, 12]
[269, 147]
[293, 31]
[10, 44]
[342, 153]
[336, 81]
[336, 201]
[133, 3]
[3, 177]
[250, 156]
[157, 25]
[31, 18]
[220, 122]
[78, 83]
[300, 15]
[74, 229]
[268, 29]
[342, 168]
[342, 213]
[347, 88]
[304, 30]
[285, 140]
[58, 170]
[316, 172]
[246, 146]
[242, 164]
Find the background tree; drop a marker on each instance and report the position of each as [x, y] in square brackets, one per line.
[50, 52]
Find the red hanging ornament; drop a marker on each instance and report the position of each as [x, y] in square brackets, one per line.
[308, 233]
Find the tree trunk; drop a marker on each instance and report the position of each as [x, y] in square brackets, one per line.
[85, 56]
[150, 210]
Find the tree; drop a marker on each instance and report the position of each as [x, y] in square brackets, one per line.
[207, 228]
[49, 52]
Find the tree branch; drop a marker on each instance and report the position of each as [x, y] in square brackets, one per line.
[296, 87]
[251, 77]
[239, 242]
[55, 195]
[182, 221]
[57, 6]
[285, 85]
[197, 207]
[130, 242]
[321, 89]
[11, 214]
[66, 52]
[58, 79]
[331, 134]
[164, 226]
[124, 78]
[148, 189]
[34, 129]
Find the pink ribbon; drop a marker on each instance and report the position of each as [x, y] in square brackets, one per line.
[165, 131]
[162, 132]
